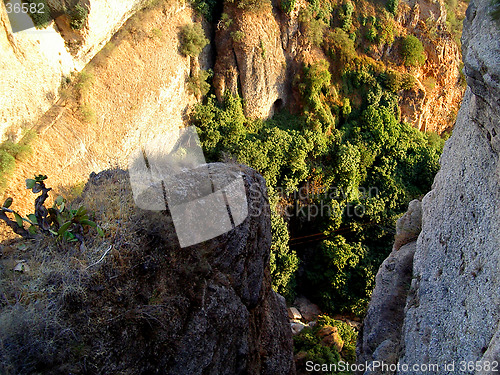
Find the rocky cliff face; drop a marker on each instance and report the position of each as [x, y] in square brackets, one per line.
[251, 59]
[452, 311]
[260, 51]
[433, 103]
[33, 63]
[147, 306]
[136, 90]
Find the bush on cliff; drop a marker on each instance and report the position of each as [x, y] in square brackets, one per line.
[193, 40]
[412, 51]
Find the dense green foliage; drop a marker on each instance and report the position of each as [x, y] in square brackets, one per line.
[345, 149]
[412, 51]
[205, 7]
[308, 345]
[392, 6]
[192, 39]
[79, 16]
[287, 5]
[41, 16]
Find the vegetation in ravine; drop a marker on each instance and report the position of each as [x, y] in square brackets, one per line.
[342, 169]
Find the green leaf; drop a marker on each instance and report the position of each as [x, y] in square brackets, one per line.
[64, 228]
[40, 178]
[59, 200]
[88, 222]
[53, 232]
[100, 231]
[32, 229]
[8, 202]
[70, 237]
[19, 220]
[30, 184]
[32, 218]
[63, 205]
[81, 211]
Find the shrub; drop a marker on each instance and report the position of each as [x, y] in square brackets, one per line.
[198, 85]
[392, 6]
[193, 39]
[339, 45]
[11, 152]
[79, 16]
[40, 19]
[309, 342]
[412, 51]
[371, 33]
[205, 7]
[225, 20]
[408, 82]
[85, 80]
[87, 113]
[287, 6]
[251, 5]
[157, 33]
[7, 165]
[346, 15]
[313, 28]
[237, 35]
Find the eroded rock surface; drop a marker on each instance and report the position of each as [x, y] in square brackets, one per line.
[204, 309]
[452, 310]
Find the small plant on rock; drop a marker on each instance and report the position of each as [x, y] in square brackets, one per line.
[59, 220]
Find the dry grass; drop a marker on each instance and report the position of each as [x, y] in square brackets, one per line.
[35, 333]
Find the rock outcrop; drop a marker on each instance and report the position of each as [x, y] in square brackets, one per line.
[451, 312]
[432, 104]
[251, 59]
[156, 308]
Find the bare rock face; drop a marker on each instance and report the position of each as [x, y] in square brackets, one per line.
[251, 60]
[204, 309]
[452, 309]
[431, 105]
[381, 334]
[26, 95]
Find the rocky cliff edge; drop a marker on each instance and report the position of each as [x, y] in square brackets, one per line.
[451, 311]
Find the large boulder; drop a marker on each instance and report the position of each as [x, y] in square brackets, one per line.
[137, 303]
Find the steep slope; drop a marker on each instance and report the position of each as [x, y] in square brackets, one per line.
[261, 49]
[33, 63]
[452, 308]
[134, 89]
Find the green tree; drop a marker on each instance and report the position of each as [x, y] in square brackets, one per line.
[412, 51]
[392, 6]
[192, 39]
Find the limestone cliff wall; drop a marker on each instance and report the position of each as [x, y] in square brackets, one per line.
[452, 309]
[260, 51]
[33, 63]
[433, 103]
